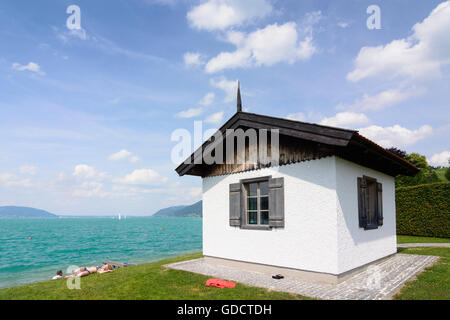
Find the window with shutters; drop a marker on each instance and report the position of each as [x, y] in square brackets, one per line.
[257, 203]
[370, 203]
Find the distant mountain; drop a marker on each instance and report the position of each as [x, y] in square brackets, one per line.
[168, 211]
[24, 212]
[194, 210]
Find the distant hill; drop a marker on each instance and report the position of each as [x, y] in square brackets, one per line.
[24, 212]
[194, 210]
[168, 211]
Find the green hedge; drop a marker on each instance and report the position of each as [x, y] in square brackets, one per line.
[424, 210]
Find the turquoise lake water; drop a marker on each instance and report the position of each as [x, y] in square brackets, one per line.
[57, 244]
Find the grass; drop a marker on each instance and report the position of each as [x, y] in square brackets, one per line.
[144, 282]
[414, 239]
[154, 282]
[434, 282]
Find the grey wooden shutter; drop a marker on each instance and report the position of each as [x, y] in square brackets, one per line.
[235, 204]
[380, 204]
[276, 202]
[363, 202]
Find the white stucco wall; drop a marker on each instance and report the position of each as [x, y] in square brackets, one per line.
[309, 239]
[357, 246]
[321, 231]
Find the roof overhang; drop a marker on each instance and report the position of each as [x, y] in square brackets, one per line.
[348, 144]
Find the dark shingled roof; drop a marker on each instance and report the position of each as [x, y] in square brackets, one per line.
[344, 143]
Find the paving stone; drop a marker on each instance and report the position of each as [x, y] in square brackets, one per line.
[380, 282]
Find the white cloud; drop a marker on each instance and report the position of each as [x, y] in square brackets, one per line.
[343, 25]
[346, 120]
[264, 47]
[215, 118]
[396, 136]
[26, 169]
[190, 113]
[84, 171]
[193, 59]
[143, 177]
[311, 18]
[65, 36]
[123, 154]
[419, 56]
[31, 66]
[85, 182]
[89, 189]
[340, 120]
[208, 99]
[228, 86]
[384, 99]
[5, 177]
[299, 116]
[440, 159]
[104, 44]
[11, 180]
[79, 33]
[64, 181]
[222, 14]
[172, 192]
[135, 159]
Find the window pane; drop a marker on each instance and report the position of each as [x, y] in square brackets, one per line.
[264, 203]
[252, 204]
[264, 217]
[253, 189]
[264, 188]
[252, 217]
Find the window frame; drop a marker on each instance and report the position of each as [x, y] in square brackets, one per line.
[245, 223]
[372, 183]
[375, 220]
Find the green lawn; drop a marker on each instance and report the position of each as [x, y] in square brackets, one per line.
[414, 239]
[144, 282]
[434, 282]
[154, 282]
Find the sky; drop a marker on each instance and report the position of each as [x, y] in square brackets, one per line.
[87, 114]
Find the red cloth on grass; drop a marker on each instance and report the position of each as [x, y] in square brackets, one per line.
[220, 283]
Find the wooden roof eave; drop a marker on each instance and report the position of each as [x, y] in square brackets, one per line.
[339, 139]
[302, 130]
[407, 167]
[294, 125]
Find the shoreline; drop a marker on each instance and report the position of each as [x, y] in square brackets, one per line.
[138, 263]
[34, 249]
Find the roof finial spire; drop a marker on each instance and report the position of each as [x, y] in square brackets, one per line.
[239, 99]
